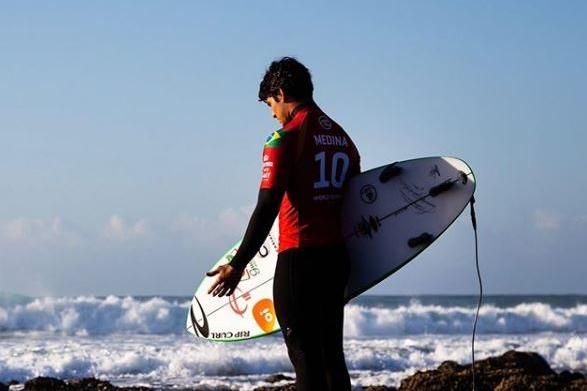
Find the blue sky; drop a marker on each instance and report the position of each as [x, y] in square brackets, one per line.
[131, 136]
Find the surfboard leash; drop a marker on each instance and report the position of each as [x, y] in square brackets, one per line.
[474, 221]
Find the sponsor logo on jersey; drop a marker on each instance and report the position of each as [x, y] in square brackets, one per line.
[275, 139]
[327, 197]
[325, 122]
[326, 139]
[264, 314]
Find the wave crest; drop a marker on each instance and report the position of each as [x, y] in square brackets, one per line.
[88, 315]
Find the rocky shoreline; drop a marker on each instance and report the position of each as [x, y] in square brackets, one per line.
[511, 371]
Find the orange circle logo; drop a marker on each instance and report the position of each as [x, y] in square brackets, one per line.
[264, 314]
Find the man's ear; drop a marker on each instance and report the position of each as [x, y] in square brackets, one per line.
[281, 96]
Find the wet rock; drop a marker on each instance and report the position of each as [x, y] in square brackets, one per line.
[512, 371]
[44, 384]
[3, 387]
[90, 383]
[87, 384]
[289, 387]
[277, 378]
[292, 387]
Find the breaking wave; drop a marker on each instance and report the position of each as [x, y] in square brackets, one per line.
[88, 315]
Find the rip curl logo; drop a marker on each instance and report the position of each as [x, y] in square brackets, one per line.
[325, 122]
[203, 328]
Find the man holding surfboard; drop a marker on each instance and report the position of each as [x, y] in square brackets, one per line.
[306, 165]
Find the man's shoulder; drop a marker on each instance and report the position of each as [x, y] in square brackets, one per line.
[279, 138]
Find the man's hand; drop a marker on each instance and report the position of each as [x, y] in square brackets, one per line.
[228, 279]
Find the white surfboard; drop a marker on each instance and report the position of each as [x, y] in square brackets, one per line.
[249, 311]
[390, 215]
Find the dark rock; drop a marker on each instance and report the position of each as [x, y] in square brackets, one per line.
[3, 387]
[13, 383]
[570, 376]
[379, 388]
[277, 378]
[450, 366]
[90, 384]
[87, 384]
[511, 371]
[289, 387]
[45, 384]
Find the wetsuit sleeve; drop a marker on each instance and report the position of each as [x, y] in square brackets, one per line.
[276, 166]
[259, 226]
[277, 160]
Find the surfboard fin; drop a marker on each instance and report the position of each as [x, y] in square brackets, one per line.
[438, 189]
[367, 227]
[422, 240]
[389, 172]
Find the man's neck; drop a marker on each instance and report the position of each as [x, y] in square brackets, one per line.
[297, 106]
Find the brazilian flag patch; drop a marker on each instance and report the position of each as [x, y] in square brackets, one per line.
[275, 139]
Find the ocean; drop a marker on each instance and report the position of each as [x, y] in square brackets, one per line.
[142, 341]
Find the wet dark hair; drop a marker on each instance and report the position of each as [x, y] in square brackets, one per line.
[291, 76]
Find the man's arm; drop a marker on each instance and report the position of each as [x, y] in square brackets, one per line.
[259, 226]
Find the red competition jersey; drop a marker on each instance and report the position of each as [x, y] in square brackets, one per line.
[312, 174]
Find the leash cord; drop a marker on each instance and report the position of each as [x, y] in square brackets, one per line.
[474, 221]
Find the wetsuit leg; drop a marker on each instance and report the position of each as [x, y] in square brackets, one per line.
[337, 374]
[308, 292]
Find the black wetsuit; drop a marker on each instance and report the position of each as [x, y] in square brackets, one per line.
[305, 167]
[309, 301]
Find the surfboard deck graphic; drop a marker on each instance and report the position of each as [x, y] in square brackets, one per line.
[248, 312]
[390, 215]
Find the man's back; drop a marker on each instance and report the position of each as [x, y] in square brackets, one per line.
[311, 158]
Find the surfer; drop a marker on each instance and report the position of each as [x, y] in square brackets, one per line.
[305, 167]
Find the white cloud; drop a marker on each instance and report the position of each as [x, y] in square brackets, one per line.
[546, 220]
[118, 228]
[229, 223]
[31, 231]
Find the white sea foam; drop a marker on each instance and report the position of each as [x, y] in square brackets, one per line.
[416, 319]
[131, 340]
[172, 360]
[96, 316]
[113, 315]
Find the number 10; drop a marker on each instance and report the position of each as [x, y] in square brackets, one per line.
[335, 180]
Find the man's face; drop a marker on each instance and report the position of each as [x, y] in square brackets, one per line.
[279, 108]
